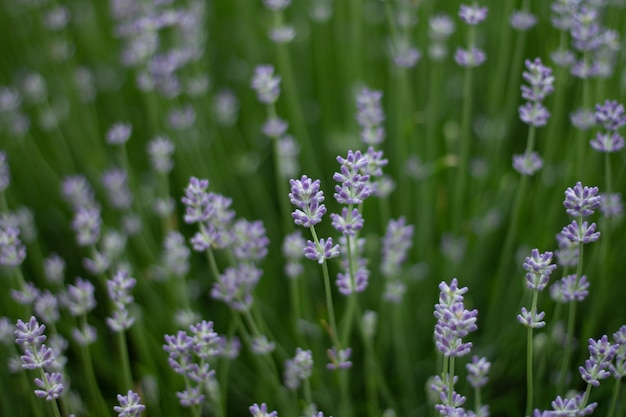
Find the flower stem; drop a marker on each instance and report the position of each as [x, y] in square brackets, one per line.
[127, 375]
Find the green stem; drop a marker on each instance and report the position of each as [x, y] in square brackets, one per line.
[615, 397]
[460, 205]
[529, 359]
[570, 322]
[127, 376]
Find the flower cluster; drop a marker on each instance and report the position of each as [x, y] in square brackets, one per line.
[540, 84]
[235, 286]
[453, 321]
[12, 250]
[440, 27]
[37, 355]
[370, 116]
[119, 288]
[298, 369]
[211, 212]
[601, 354]
[266, 85]
[539, 267]
[396, 243]
[79, 299]
[472, 56]
[130, 405]
[189, 355]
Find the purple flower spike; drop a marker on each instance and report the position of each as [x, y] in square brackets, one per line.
[472, 15]
[611, 115]
[581, 201]
[568, 289]
[261, 411]
[130, 405]
[322, 251]
[539, 269]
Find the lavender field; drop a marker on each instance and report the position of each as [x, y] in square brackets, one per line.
[312, 208]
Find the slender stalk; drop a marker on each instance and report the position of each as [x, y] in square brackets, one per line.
[616, 391]
[464, 149]
[127, 376]
[570, 322]
[529, 359]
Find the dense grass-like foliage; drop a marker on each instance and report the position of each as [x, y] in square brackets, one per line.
[352, 207]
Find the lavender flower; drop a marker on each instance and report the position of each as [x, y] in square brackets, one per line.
[261, 411]
[472, 57]
[531, 318]
[601, 354]
[453, 321]
[611, 204]
[581, 201]
[540, 81]
[571, 407]
[472, 15]
[130, 405]
[370, 116]
[347, 285]
[266, 85]
[176, 254]
[249, 240]
[118, 134]
[522, 20]
[569, 289]
[477, 371]
[79, 298]
[292, 248]
[261, 345]
[583, 233]
[395, 245]
[611, 115]
[115, 182]
[306, 195]
[12, 251]
[29, 334]
[299, 368]
[607, 142]
[539, 269]
[354, 186]
[339, 359]
[86, 224]
[534, 114]
[235, 286]
[275, 127]
[51, 386]
[160, 150]
[54, 268]
[46, 306]
[348, 223]
[321, 251]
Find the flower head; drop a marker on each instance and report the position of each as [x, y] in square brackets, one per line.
[581, 201]
[130, 405]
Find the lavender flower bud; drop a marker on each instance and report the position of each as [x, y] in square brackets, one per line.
[79, 298]
[611, 115]
[298, 369]
[471, 58]
[322, 251]
[130, 405]
[581, 201]
[522, 20]
[527, 163]
[115, 182]
[607, 142]
[539, 269]
[250, 240]
[472, 15]
[540, 81]
[339, 359]
[583, 233]
[531, 319]
[118, 134]
[306, 195]
[348, 223]
[612, 205]
[477, 371]
[29, 334]
[51, 386]
[160, 150]
[266, 85]
[86, 224]
[12, 251]
[176, 254]
[261, 411]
